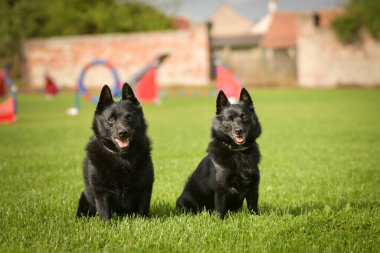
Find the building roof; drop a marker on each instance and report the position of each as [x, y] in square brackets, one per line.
[245, 41]
[181, 23]
[327, 16]
[228, 22]
[282, 31]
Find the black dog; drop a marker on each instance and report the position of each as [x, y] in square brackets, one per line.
[229, 173]
[118, 169]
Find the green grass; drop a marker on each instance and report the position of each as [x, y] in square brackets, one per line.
[319, 190]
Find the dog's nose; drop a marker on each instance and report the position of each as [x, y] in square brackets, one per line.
[238, 131]
[122, 132]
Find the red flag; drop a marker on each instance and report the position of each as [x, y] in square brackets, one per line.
[8, 111]
[146, 88]
[2, 84]
[50, 86]
[227, 82]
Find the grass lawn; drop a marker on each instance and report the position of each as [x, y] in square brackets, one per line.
[320, 188]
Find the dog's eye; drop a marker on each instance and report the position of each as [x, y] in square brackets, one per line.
[111, 120]
[230, 118]
[244, 117]
[129, 117]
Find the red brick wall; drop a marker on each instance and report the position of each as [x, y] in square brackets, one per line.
[64, 57]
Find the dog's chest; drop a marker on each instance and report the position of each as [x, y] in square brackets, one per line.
[119, 182]
[235, 173]
[120, 176]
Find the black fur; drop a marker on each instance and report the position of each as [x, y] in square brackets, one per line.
[229, 173]
[118, 169]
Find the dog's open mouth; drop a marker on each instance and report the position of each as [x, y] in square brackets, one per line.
[122, 143]
[239, 139]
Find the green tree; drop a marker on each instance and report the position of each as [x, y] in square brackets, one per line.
[359, 15]
[22, 19]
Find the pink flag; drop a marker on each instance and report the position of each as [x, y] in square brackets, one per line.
[227, 82]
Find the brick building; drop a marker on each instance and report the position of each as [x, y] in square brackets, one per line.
[63, 58]
[282, 48]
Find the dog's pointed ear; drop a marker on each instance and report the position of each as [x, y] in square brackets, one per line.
[246, 98]
[221, 102]
[127, 94]
[105, 98]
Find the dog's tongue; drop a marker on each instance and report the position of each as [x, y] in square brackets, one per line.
[239, 138]
[122, 143]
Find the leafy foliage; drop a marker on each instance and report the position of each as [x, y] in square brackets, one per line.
[21, 19]
[360, 14]
[347, 29]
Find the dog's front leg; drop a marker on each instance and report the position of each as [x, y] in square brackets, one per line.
[252, 198]
[220, 204]
[102, 207]
[144, 202]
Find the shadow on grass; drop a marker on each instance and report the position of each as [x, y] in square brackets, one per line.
[163, 210]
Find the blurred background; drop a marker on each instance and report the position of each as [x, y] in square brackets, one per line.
[296, 43]
[320, 145]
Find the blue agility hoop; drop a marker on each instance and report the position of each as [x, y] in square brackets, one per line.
[82, 89]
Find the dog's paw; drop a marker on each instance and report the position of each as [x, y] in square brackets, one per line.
[220, 215]
[233, 190]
